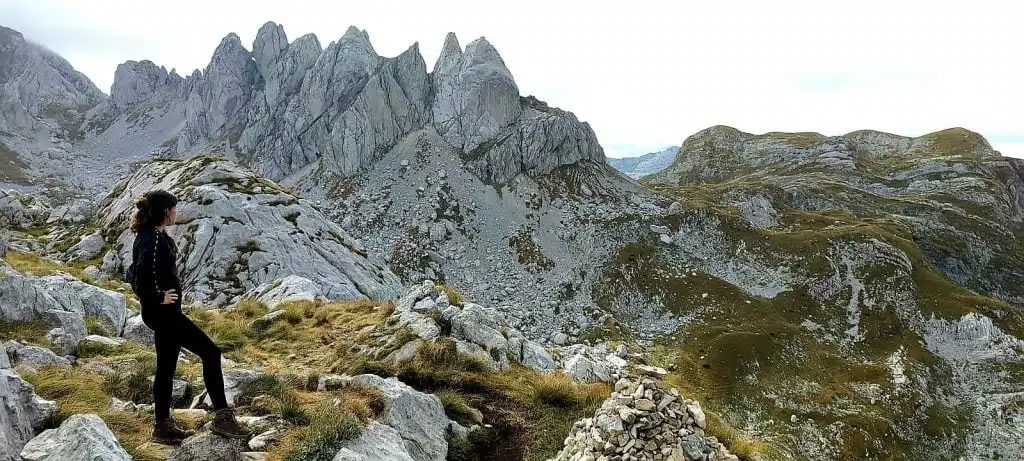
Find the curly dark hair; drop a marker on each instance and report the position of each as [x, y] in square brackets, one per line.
[151, 209]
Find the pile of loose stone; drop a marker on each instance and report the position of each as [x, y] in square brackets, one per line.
[644, 419]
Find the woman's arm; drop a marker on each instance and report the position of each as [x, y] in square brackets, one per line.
[148, 261]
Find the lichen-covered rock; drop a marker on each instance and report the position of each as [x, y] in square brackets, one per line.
[138, 81]
[238, 231]
[79, 438]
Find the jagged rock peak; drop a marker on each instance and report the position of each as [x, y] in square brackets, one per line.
[136, 81]
[450, 52]
[270, 43]
[475, 95]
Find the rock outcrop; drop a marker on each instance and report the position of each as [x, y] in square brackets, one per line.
[484, 334]
[237, 231]
[412, 424]
[22, 412]
[644, 419]
[288, 289]
[79, 438]
[25, 300]
[378, 442]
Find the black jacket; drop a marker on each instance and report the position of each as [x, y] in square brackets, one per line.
[154, 255]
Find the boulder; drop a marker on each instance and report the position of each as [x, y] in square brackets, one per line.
[207, 446]
[79, 438]
[137, 331]
[109, 307]
[102, 341]
[3, 246]
[290, 288]
[419, 418]
[535, 356]
[234, 383]
[378, 442]
[34, 357]
[88, 247]
[266, 439]
[24, 301]
[62, 341]
[586, 370]
[22, 412]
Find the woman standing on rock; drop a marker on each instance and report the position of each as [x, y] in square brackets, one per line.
[153, 275]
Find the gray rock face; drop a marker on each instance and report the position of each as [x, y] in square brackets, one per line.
[218, 97]
[21, 412]
[138, 81]
[296, 110]
[3, 246]
[378, 442]
[36, 82]
[475, 95]
[79, 438]
[418, 418]
[238, 231]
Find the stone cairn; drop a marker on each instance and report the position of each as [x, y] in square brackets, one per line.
[644, 420]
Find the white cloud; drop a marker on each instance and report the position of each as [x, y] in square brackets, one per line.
[645, 73]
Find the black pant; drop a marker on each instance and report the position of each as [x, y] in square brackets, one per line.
[172, 331]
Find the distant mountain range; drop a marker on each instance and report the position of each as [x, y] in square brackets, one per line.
[635, 167]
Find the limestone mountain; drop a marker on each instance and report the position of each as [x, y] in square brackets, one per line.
[637, 167]
[42, 101]
[847, 297]
[296, 110]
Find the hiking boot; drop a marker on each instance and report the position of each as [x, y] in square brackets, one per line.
[225, 425]
[167, 432]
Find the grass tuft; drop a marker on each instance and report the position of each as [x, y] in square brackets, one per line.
[329, 428]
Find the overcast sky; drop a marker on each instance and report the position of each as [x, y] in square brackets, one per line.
[645, 74]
